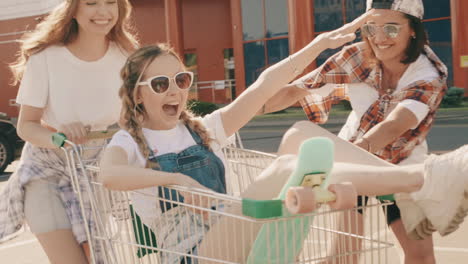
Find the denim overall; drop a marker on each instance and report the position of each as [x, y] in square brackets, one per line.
[197, 162]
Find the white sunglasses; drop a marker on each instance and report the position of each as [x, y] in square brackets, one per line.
[160, 83]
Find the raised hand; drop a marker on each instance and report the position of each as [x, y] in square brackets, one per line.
[342, 35]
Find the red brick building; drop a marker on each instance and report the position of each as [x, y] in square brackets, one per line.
[228, 43]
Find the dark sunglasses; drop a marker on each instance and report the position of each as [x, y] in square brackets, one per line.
[160, 83]
[390, 30]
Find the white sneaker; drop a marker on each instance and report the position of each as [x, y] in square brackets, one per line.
[443, 197]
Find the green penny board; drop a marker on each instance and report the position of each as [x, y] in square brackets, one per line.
[282, 243]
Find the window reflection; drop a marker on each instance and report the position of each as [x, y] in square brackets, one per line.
[440, 37]
[265, 27]
[254, 59]
[252, 19]
[278, 49]
[436, 8]
[354, 8]
[276, 18]
[328, 14]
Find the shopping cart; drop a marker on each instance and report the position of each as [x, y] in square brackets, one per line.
[120, 231]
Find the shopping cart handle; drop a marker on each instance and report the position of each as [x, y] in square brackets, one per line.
[59, 139]
[388, 197]
[261, 209]
[102, 134]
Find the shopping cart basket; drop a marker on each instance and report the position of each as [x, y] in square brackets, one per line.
[120, 231]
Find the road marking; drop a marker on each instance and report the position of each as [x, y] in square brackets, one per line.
[18, 244]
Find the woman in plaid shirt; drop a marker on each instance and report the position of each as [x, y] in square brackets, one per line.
[395, 84]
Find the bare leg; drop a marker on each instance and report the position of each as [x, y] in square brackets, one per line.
[268, 185]
[86, 250]
[236, 249]
[48, 220]
[372, 180]
[349, 222]
[61, 247]
[344, 151]
[368, 173]
[371, 176]
[384, 179]
[416, 251]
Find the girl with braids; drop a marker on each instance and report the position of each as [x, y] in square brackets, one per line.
[68, 69]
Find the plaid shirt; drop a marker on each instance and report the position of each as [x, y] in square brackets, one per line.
[348, 66]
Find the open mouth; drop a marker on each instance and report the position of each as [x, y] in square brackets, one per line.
[170, 109]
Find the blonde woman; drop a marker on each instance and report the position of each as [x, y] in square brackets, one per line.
[68, 70]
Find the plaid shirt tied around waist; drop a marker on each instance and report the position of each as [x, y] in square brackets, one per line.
[349, 66]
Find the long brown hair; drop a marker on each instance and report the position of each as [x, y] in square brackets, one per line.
[133, 113]
[59, 27]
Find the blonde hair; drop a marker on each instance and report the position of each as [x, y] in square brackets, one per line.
[59, 27]
[134, 114]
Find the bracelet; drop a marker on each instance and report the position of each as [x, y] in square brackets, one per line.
[295, 71]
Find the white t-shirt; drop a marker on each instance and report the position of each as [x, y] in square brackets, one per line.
[362, 96]
[171, 141]
[73, 90]
[167, 141]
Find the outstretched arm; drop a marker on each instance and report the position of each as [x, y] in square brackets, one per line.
[270, 82]
[286, 97]
[398, 122]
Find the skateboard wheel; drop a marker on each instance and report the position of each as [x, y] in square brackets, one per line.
[300, 200]
[346, 196]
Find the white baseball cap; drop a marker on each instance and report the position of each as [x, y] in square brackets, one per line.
[410, 7]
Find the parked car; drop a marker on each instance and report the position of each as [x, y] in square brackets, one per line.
[10, 143]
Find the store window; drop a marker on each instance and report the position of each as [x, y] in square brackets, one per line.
[265, 33]
[437, 22]
[328, 15]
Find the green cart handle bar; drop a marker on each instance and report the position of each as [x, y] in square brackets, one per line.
[59, 139]
[388, 197]
[262, 209]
